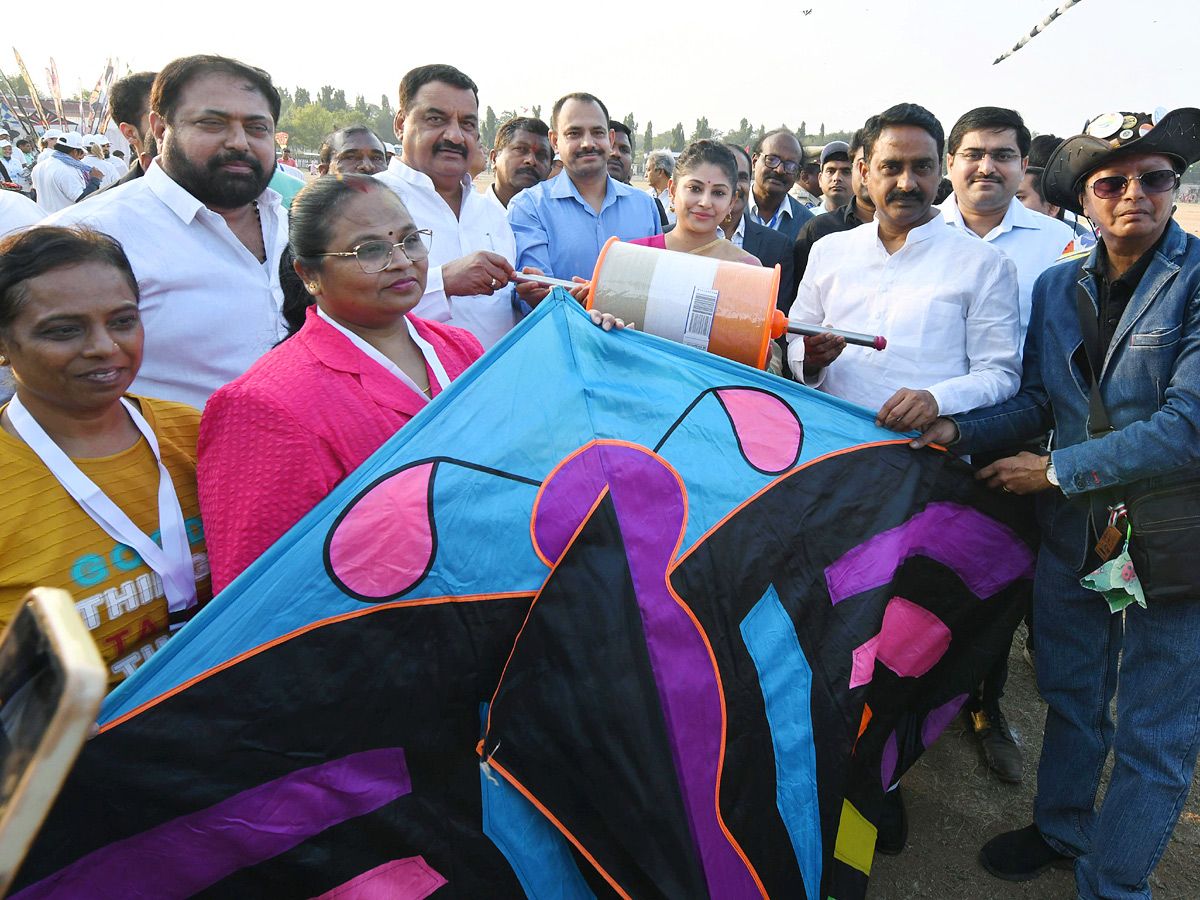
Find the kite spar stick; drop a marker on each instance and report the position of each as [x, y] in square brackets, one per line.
[1036, 31]
[878, 342]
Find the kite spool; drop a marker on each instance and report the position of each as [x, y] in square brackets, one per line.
[726, 308]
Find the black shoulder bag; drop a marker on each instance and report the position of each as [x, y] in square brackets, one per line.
[1163, 510]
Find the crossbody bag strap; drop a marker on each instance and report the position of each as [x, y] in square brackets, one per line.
[1098, 423]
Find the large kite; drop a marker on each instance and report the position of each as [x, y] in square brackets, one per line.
[613, 617]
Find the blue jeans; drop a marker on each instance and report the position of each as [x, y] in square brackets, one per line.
[1155, 739]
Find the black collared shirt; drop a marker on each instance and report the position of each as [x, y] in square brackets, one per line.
[841, 219]
[1113, 296]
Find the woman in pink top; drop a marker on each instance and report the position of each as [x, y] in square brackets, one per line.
[355, 368]
[702, 192]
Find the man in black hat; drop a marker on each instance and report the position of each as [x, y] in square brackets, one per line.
[1112, 365]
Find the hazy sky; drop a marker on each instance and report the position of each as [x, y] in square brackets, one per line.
[844, 61]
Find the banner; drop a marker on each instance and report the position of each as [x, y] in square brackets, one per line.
[33, 94]
[56, 94]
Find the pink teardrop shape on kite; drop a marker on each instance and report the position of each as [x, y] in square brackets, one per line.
[383, 544]
[767, 429]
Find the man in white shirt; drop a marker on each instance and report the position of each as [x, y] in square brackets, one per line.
[947, 303]
[201, 229]
[987, 152]
[63, 178]
[473, 250]
[520, 159]
[660, 166]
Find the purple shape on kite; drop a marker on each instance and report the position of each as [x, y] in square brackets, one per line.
[768, 431]
[887, 767]
[986, 555]
[910, 642]
[401, 879]
[651, 509]
[186, 855]
[937, 720]
[382, 544]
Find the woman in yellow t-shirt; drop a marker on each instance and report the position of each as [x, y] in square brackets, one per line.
[99, 488]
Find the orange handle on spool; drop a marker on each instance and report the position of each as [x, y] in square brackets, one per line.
[781, 326]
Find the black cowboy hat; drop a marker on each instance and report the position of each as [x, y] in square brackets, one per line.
[1175, 134]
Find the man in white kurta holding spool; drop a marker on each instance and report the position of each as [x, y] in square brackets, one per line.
[947, 303]
[472, 253]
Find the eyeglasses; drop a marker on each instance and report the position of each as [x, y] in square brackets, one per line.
[787, 166]
[375, 256]
[999, 157]
[1157, 182]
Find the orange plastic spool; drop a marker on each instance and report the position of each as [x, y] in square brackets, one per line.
[726, 308]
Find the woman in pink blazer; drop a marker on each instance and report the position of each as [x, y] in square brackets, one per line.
[355, 367]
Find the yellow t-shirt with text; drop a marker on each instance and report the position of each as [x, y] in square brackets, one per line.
[47, 540]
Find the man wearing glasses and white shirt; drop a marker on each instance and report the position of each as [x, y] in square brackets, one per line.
[987, 151]
[473, 249]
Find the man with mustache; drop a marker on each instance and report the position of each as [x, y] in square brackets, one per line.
[520, 159]
[352, 151]
[472, 253]
[201, 228]
[620, 158]
[946, 302]
[776, 164]
[561, 224]
[987, 153]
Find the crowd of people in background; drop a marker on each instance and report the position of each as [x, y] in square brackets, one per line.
[210, 342]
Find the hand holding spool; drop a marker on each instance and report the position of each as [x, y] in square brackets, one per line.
[726, 308]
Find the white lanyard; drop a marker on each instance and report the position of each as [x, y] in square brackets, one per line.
[426, 348]
[172, 561]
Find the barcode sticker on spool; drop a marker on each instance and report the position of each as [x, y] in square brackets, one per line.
[700, 318]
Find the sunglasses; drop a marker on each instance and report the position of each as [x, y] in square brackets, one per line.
[1157, 182]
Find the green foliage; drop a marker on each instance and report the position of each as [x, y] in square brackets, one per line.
[648, 138]
[537, 111]
[302, 97]
[678, 141]
[703, 130]
[488, 128]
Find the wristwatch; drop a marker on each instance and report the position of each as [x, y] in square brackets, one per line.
[1051, 475]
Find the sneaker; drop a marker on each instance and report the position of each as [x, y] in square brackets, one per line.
[999, 746]
[1021, 855]
[893, 824]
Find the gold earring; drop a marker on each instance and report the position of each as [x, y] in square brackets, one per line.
[728, 218]
[313, 288]
[672, 206]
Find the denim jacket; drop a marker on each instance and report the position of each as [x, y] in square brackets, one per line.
[1149, 381]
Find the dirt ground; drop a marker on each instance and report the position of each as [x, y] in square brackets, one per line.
[1188, 217]
[955, 805]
